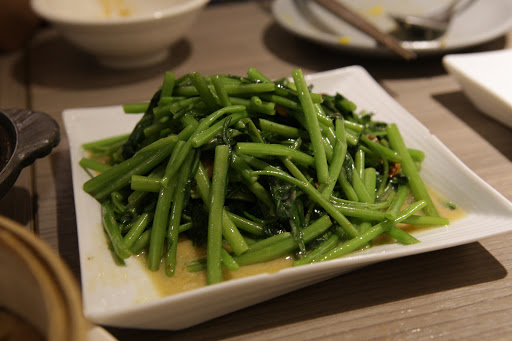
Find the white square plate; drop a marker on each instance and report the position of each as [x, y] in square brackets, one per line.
[485, 79]
[125, 296]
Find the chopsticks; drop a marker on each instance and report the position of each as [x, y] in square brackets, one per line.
[362, 24]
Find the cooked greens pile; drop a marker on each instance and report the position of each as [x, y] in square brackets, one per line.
[254, 170]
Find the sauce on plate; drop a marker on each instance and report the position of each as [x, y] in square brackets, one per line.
[184, 280]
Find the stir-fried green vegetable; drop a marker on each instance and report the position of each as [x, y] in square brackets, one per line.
[254, 170]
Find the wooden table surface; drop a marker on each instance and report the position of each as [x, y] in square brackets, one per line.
[460, 293]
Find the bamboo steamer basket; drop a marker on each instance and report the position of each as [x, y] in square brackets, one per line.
[37, 286]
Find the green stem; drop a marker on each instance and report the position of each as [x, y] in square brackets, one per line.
[206, 135]
[418, 188]
[318, 198]
[269, 241]
[135, 108]
[145, 183]
[221, 91]
[159, 228]
[396, 205]
[168, 84]
[229, 227]
[312, 126]
[204, 91]
[267, 149]
[99, 145]
[329, 244]
[119, 176]
[176, 212]
[114, 233]
[172, 168]
[216, 206]
[137, 228]
[285, 246]
[365, 237]
[93, 165]
[255, 74]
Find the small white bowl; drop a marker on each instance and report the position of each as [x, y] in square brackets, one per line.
[122, 33]
[485, 79]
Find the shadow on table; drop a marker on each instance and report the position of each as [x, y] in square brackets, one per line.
[69, 67]
[18, 205]
[496, 133]
[316, 57]
[374, 285]
[66, 229]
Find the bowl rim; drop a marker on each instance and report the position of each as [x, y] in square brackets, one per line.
[182, 7]
[55, 277]
[52, 303]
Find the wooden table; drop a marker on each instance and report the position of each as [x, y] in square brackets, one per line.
[459, 293]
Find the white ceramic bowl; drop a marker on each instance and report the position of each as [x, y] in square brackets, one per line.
[485, 79]
[122, 33]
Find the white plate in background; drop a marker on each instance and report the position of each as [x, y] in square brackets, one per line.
[486, 79]
[126, 297]
[482, 21]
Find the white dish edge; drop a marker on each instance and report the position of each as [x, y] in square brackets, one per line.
[113, 304]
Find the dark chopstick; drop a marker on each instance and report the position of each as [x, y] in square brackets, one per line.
[362, 24]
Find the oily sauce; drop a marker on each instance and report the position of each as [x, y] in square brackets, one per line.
[183, 280]
[444, 208]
